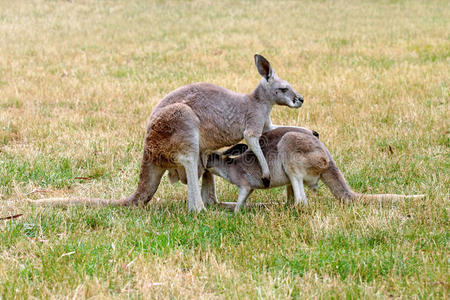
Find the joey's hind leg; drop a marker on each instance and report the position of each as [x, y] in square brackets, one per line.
[314, 187]
[149, 179]
[242, 198]
[312, 183]
[190, 164]
[289, 194]
[208, 189]
[299, 190]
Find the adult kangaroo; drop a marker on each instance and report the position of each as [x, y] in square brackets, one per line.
[202, 117]
[196, 119]
[295, 157]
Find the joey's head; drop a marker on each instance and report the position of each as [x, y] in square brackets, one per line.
[217, 162]
[274, 89]
[213, 161]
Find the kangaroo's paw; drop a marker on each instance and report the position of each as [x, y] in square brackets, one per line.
[198, 207]
[266, 181]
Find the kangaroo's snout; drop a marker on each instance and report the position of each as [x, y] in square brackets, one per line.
[298, 100]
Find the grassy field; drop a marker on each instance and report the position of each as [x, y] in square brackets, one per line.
[79, 79]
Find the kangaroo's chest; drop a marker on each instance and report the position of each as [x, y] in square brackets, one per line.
[220, 125]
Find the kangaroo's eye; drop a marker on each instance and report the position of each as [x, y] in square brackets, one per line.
[283, 90]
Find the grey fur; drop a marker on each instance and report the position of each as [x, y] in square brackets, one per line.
[295, 157]
[199, 118]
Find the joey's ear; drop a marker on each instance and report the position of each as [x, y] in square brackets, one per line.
[263, 66]
[205, 158]
[235, 150]
[210, 159]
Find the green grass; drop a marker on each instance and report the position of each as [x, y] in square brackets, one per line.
[78, 81]
[390, 246]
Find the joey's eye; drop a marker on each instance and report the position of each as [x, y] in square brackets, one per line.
[283, 90]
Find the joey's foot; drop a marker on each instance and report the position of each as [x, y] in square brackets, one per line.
[210, 200]
[266, 181]
[314, 188]
[228, 205]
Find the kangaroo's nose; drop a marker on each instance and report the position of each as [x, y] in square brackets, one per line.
[300, 98]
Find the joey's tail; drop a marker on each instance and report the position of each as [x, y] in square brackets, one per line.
[80, 201]
[335, 181]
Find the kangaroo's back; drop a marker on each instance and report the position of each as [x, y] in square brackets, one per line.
[221, 112]
[199, 94]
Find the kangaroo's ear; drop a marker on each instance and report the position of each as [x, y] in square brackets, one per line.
[235, 150]
[263, 66]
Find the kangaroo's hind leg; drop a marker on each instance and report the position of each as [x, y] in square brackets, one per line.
[190, 164]
[149, 179]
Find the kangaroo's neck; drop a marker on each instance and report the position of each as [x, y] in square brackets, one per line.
[262, 95]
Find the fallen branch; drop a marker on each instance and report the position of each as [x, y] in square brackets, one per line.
[11, 217]
[232, 205]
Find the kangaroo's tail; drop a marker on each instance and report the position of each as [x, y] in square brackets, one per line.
[335, 181]
[80, 201]
[381, 197]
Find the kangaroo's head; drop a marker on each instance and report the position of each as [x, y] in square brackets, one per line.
[275, 89]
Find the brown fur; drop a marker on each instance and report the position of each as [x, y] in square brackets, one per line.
[163, 140]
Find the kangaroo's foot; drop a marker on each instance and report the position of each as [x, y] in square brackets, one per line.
[134, 200]
[149, 179]
[289, 195]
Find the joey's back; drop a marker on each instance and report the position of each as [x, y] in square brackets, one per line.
[296, 157]
[285, 146]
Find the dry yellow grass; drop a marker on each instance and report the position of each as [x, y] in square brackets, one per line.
[79, 79]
